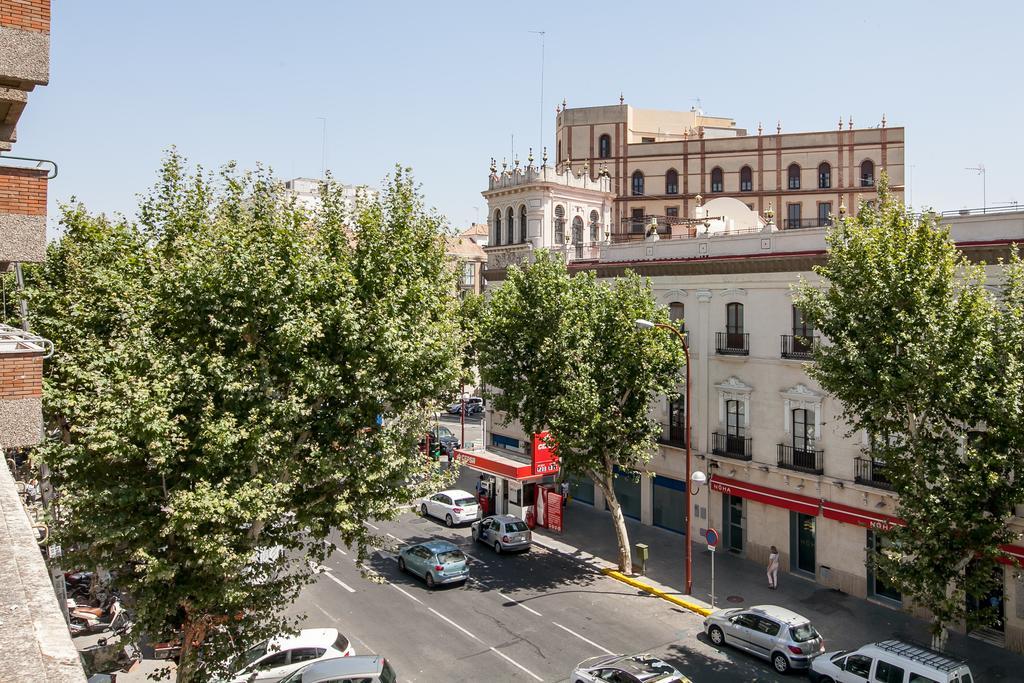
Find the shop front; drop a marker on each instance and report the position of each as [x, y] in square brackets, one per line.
[508, 483]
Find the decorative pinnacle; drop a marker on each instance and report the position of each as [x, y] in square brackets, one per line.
[778, 127]
[840, 122]
[851, 122]
[558, 109]
[504, 164]
[842, 208]
[759, 128]
[545, 157]
[622, 99]
[564, 105]
[529, 158]
[769, 214]
[494, 165]
[516, 162]
[700, 200]
[883, 119]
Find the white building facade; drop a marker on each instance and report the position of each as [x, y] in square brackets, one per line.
[783, 469]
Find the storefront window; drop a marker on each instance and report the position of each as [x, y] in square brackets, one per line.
[669, 499]
[878, 584]
[581, 489]
[627, 490]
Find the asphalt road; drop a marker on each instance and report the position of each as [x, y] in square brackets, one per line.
[525, 617]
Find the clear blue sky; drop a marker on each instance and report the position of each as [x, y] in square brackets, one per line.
[442, 86]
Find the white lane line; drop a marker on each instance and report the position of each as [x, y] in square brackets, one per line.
[515, 663]
[458, 627]
[396, 538]
[341, 551]
[528, 609]
[584, 639]
[406, 593]
[375, 528]
[475, 559]
[327, 572]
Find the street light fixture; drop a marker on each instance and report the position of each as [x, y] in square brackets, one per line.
[699, 481]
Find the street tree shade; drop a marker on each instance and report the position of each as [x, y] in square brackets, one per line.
[930, 364]
[221, 365]
[565, 356]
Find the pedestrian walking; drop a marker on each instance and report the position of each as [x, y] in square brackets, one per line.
[564, 490]
[773, 568]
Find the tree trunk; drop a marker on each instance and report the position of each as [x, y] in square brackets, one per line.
[618, 521]
[940, 635]
[188, 658]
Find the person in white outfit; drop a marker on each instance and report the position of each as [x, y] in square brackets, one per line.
[773, 568]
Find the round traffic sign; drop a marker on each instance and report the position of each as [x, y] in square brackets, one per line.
[712, 537]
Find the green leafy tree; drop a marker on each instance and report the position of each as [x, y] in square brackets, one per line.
[220, 367]
[928, 362]
[564, 354]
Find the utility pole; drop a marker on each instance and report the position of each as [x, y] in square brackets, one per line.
[980, 168]
[540, 144]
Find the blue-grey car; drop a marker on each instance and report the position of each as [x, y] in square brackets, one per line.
[438, 562]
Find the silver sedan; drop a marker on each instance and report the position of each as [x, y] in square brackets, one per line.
[784, 638]
[502, 532]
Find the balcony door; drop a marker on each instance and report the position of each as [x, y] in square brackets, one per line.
[577, 235]
[803, 438]
[734, 432]
[734, 326]
[803, 332]
[677, 421]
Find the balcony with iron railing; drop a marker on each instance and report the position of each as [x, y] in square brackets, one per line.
[797, 223]
[732, 343]
[871, 473]
[731, 446]
[673, 435]
[798, 347]
[807, 460]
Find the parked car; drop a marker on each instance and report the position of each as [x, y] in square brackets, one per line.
[441, 435]
[626, 669]
[438, 562]
[474, 405]
[454, 506]
[365, 669]
[784, 638]
[274, 659]
[889, 660]
[502, 532]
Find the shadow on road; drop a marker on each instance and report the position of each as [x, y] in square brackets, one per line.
[735, 665]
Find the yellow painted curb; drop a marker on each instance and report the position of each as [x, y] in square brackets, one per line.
[619, 576]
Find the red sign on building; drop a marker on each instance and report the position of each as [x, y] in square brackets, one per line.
[544, 455]
[553, 516]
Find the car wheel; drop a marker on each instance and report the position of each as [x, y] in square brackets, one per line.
[716, 635]
[448, 521]
[423, 509]
[473, 533]
[401, 564]
[497, 547]
[780, 663]
[430, 580]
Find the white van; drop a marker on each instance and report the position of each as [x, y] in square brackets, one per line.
[890, 661]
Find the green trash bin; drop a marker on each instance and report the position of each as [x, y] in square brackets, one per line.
[641, 556]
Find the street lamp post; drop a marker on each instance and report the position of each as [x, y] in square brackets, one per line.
[647, 325]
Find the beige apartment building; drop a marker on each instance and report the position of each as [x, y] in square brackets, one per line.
[781, 469]
[659, 161]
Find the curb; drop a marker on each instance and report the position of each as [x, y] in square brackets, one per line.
[619, 576]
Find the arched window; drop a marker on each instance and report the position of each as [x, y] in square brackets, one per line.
[595, 226]
[604, 146]
[794, 176]
[824, 176]
[638, 183]
[522, 222]
[867, 173]
[510, 218]
[577, 235]
[671, 181]
[497, 227]
[746, 179]
[559, 239]
[675, 313]
[717, 180]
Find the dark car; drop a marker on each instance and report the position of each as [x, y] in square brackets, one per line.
[474, 406]
[441, 435]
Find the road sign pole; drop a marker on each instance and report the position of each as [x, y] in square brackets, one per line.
[712, 548]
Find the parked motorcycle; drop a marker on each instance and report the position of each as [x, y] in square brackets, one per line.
[86, 620]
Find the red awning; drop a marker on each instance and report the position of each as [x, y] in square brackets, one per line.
[494, 463]
[763, 494]
[864, 518]
[1013, 552]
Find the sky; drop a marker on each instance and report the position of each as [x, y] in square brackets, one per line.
[443, 86]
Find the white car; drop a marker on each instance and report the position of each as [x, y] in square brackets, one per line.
[626, 669]
[453, 506]
[273, 659]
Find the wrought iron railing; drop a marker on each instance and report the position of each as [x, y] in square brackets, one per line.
[795, 346]
[731, 446]
[871, 473]
[732, 343]
[801, 459]
[796, 223]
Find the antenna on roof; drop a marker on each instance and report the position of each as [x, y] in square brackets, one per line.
[699, 109]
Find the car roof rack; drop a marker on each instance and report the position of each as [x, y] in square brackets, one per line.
[921, 653]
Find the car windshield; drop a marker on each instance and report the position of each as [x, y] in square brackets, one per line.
[250, 656]
[803, 633]
[449, 556]
[387, 674]
[444, 432]
[517, 526]
[465, 501]
[341, 644]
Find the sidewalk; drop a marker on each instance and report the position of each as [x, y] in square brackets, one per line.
[844, 621]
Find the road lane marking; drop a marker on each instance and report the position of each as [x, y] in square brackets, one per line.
[468, 633]
[375, 528]
[327, 572]
[583, 638]
[475, 559]
[515, 663]
[528, 609]
[405, 593]
[396, 538]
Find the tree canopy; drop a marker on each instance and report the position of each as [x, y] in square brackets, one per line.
[564, 354]
[926, 359]
[221, 363]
